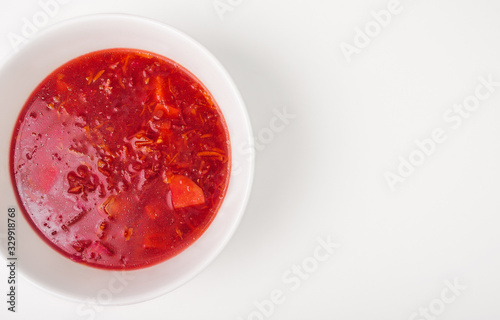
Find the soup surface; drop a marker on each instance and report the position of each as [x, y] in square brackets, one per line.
[120, 159]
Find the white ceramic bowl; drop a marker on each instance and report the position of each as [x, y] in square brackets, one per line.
[19, 76]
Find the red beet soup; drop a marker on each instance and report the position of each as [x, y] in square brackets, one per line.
[120, 159]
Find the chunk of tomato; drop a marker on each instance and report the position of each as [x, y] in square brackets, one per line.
[185, 192]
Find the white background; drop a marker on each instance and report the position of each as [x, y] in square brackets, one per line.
[323, 173]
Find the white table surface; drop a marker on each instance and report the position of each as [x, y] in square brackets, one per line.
[428, 248]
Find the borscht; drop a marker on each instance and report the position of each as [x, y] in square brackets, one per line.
[120, 159]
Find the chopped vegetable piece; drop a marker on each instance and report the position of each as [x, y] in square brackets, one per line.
[117, 206]
[185, 192]
[160, 89]
[156, 241]
[164, 109]
[128, 233]
[179, 232]
[98, 75]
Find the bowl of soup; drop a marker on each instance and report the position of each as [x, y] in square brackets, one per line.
[127, 159]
